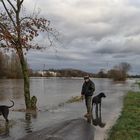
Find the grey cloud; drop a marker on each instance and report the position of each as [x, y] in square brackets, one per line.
[109, 46]
[91, 32]
[120, 56]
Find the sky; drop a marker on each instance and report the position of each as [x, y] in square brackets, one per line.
[93, 34]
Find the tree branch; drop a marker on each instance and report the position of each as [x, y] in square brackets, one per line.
[21, 2]
[2, 26]
[26, 18]
[18, 20]
[8, 13]
[12, 5]
[6, 34]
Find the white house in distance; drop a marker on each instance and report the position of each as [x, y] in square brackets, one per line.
[52, 73]
[41, 72]
[44, 72]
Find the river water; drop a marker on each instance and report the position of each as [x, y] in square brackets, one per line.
[51, 93]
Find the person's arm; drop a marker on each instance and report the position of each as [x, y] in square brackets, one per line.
[82, 93]
[92, 87]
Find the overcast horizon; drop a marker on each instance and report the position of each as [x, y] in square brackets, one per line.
[94, 34]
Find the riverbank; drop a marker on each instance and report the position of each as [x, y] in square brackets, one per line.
[128, 125]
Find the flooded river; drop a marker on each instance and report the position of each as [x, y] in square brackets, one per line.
[51, 93]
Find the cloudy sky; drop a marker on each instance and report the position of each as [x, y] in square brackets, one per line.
[94, 34]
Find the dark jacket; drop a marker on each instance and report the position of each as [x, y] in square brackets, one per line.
[88, 88]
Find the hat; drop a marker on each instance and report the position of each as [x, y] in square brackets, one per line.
[86, 77]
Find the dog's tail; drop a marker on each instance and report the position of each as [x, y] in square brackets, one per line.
[12, 104]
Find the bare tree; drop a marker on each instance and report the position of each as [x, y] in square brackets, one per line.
[120, 72]
[125, 67]
[17, 32]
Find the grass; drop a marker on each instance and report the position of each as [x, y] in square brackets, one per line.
[127, 126]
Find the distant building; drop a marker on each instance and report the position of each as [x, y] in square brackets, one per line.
[41, 72]
[52, 73]
[47, 72]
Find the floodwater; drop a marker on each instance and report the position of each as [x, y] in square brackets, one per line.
[52, 93]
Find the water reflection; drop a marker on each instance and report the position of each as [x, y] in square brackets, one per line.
[28, 120]
[28, 123]
[98, 120]
[4, 130]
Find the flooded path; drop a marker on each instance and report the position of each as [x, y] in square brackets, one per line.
[50, 115]
[76, 129]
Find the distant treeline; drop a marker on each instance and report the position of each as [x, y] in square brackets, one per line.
[117, 73]
[134, 76]
[72, 73]
[9, 66]
[62, 73]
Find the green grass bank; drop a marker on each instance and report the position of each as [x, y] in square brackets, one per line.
[127, 126]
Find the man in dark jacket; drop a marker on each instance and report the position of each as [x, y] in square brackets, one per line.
[87, 91]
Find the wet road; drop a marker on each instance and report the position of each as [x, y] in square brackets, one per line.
[76, 129]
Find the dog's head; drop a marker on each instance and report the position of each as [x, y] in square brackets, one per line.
[102, 95]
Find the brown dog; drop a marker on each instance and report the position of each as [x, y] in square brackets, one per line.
[4, 110]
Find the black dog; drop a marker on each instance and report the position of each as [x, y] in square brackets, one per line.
[97, 100]
[4, 110]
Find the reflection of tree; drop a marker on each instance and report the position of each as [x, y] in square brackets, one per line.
[28, 120]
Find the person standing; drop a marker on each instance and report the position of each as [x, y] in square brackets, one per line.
[88, 89]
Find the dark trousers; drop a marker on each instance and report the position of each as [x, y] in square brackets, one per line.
[88, 102]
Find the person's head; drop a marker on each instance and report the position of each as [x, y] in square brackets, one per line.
[86, 78]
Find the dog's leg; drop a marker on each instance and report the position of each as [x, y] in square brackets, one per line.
[101, 124]
[94, 121]
[96, 111]
[100, 108]
[5, 115]
[100, 117]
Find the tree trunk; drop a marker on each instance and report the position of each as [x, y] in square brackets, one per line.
[26, 79]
